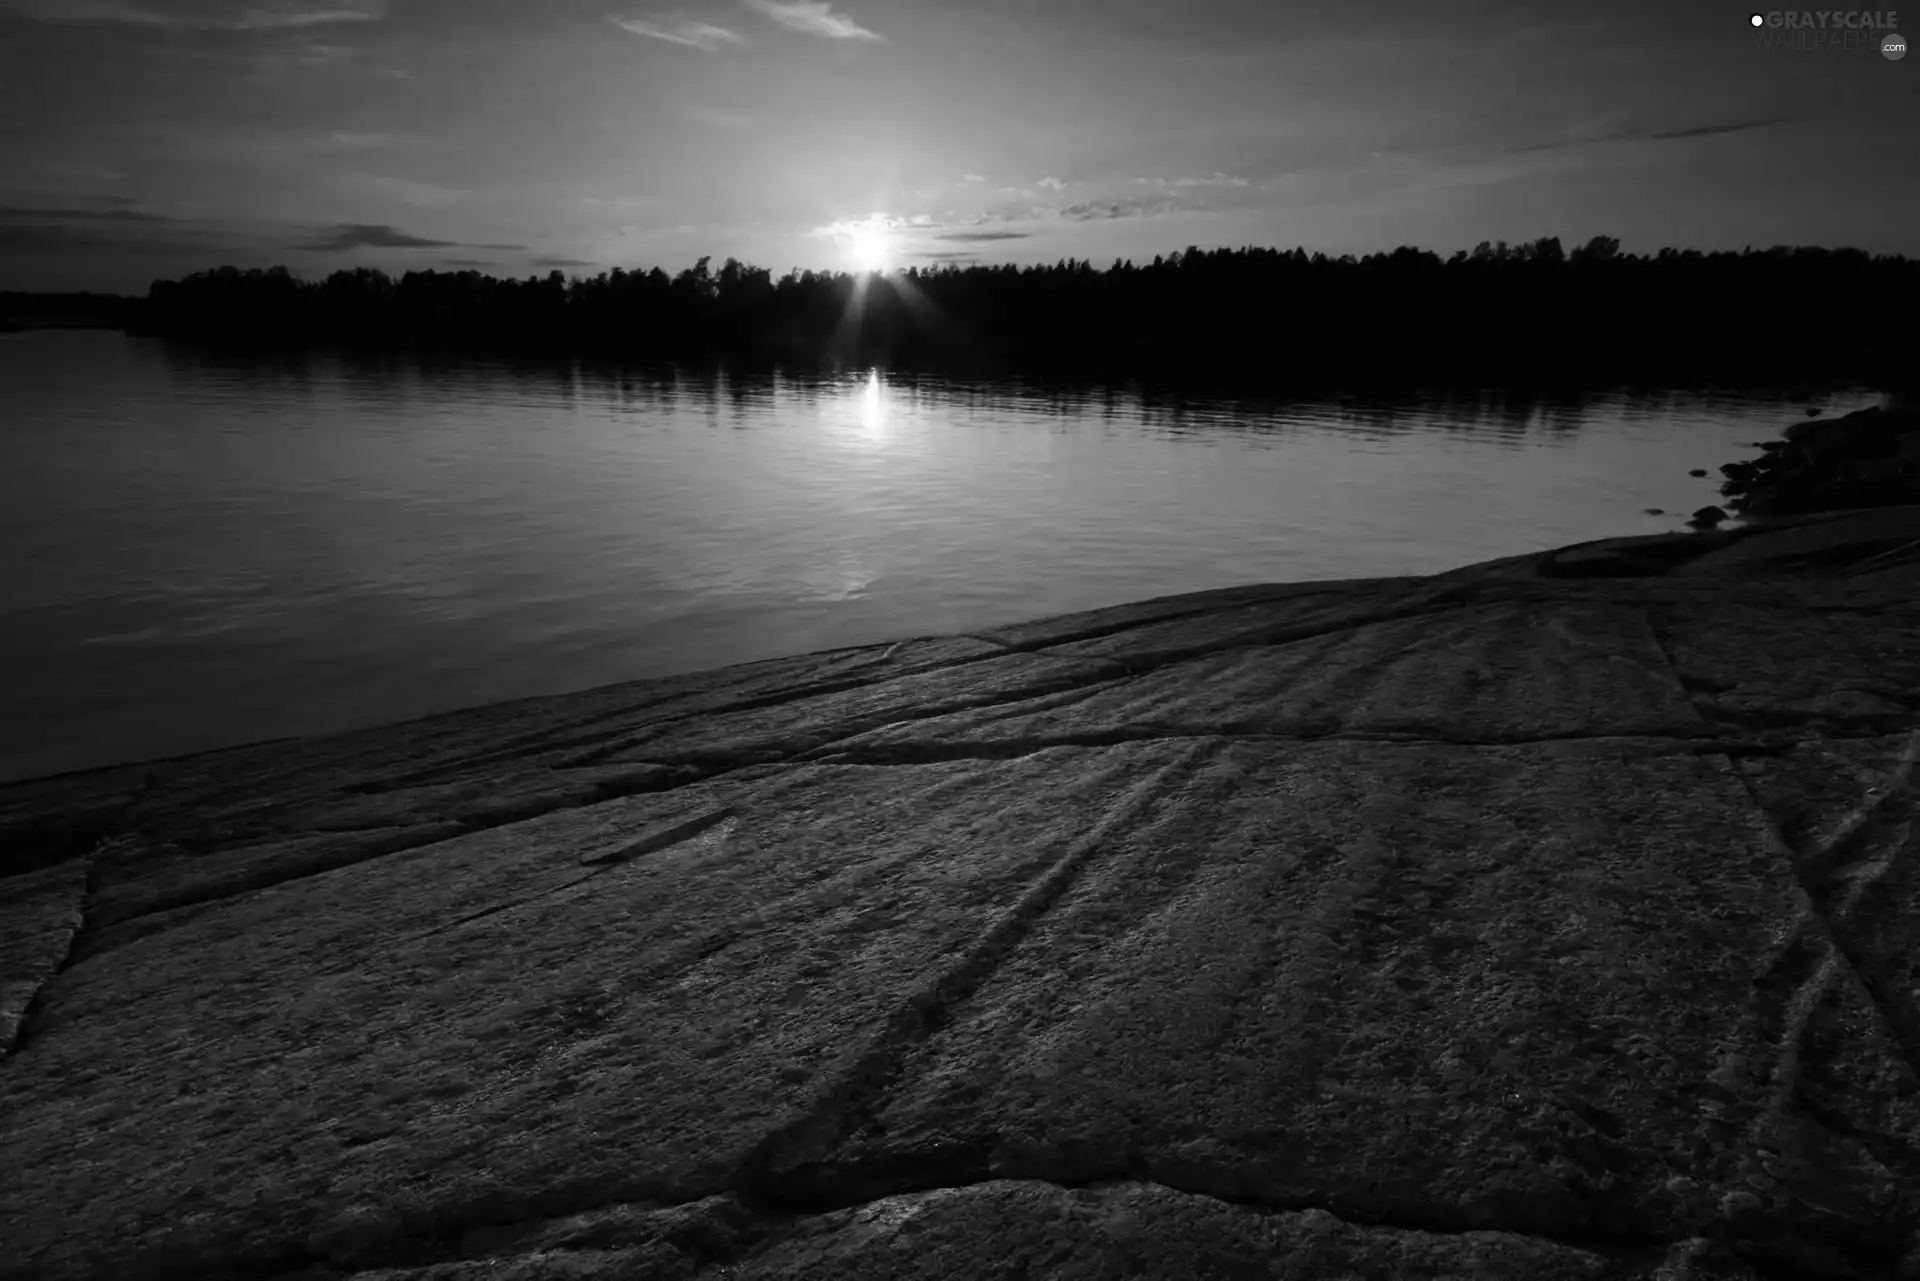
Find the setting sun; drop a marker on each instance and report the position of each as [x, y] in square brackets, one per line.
[870, 247]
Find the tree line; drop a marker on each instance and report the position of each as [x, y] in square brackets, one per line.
[1534, 303]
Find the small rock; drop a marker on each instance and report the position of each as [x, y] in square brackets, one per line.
[1655, 511]
[1707, 517]
[1698, 471]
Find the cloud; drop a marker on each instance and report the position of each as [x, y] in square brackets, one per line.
[1703, 131]
[814, 18]
[971, 177]
[981, 237]
[1014, 211]
[678, 30]
[1053, 184]
[502, 248]
[1213, 180]
[347, 138]
[947, 255]
[466, 262]
[65, 173]
[212, 15]
[1654, 135]
[563, 262]
[1132, 207]
[36, 238]
[367, 235]
[97, 239]
[14, 213]
[879, 222]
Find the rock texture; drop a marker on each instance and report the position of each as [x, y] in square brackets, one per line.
[1556, 917]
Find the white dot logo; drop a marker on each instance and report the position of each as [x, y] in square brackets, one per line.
[1758, 20]
[1894, 47]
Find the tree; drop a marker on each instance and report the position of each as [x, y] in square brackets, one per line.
[1599, 249]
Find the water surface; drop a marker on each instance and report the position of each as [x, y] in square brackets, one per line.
[203, 549]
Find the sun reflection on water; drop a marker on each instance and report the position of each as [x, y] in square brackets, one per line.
[873, 409]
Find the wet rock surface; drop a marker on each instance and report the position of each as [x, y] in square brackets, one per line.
[1553, 917]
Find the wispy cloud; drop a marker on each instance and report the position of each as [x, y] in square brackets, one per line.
[1702, 131]
[947, 255]
[1131, 207]
[981, 237]
[971, 177]
[466, 262]
[16, 213]
[1053, 184]
[879, 222]
[564, 262]
[814, 18]
[215, 15]
[1591, 138]
[53, 231]
[679, 30]
[1214, 180]
[368, 235]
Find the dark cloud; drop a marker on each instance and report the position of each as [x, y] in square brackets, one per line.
[95, 239]
[562, 262]
[1659, 135]
[217, 15]
[973, 237]
[1133, 207]
[40, 238]
[507, 249]
[1702, 131]
[947, 255]
[121, 214]
[466, 262]
[368, 235]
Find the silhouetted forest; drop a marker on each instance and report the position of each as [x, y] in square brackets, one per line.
[1533, 306]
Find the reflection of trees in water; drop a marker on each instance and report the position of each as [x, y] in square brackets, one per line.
[1523, 309]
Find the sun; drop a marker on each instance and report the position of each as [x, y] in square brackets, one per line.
[870, 247]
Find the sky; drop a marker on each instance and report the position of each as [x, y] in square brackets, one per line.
[143, 139]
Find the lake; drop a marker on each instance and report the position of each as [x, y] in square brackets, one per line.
[203, 549]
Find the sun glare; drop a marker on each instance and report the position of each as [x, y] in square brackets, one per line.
[871, 248]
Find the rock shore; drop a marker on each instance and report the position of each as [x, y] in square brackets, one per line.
[1556, 917]
[1865, 459]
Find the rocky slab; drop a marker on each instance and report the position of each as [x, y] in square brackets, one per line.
[1549, 918]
